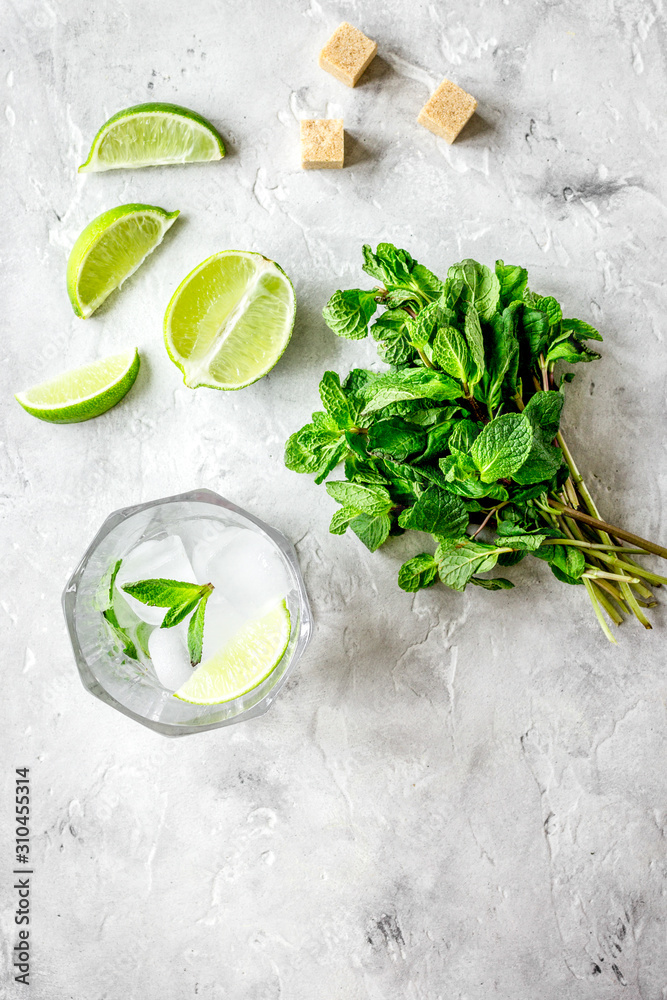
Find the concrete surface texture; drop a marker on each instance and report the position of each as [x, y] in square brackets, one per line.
[457, 797]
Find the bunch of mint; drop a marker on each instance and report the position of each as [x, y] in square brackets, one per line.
[460, 437]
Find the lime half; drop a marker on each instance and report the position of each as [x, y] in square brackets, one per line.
[243, 663]
[84, 392]
[148, 135]
[110, 249]
[230, 320]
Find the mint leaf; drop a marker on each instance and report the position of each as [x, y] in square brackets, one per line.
[497, 583]
[541, 466]
[534, 332]
[112, 580]
[513, 281]
[475, 490]
[420, 329]
[544, 460]
[571, 351]
[363, 499]
[463, 434]
[400, 297]
[356, 380]
[461, 477]
[473, 332]
[164, 593]
[502, 447]
[317, 448]
[176, 614]
[457, 561]
[436, 441]
[372, 530]
[502, 356]
[527, 542]
[360, 469]
[348, 313]
[142, 632]
[335, 401]
[340, 522]
[426, 281]
[478, 286]
[411, 383]
[178, 596]
[119, 634]
[196, 631]
[569, 344]
[397, 269]
[389, 265]
[391, 333]
[419, 572]
[438, 513]
[580, 330]
[544, 410]
[111, 617]
[451, 353]
[548, 305]
[567, 562]
[395, 438]
[406, 481]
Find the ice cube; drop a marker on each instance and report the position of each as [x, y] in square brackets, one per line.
[207, 549]
[221, 623]
[193, 530]
[249, 572]
[168, 649]
[158, 558]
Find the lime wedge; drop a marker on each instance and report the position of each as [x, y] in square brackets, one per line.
[148, 135]
[230, 320]
[243, 663]
[84, 392]
[110, 249]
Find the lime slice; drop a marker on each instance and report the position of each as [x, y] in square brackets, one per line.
[148, 135]
[84, 392]
[110, 249]
[230, 320]
[243, 663]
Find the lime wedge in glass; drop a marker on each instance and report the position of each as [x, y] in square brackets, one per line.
[110, 249]
[84, 392]
[148, 135]
[243, 663]
[230, 320]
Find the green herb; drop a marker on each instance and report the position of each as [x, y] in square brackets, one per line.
[461, 437]
[164, 593]
[128, 647]
[196, 630]
[181, 599]
[177, 596]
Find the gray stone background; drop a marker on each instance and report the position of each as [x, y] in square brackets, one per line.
[457, 796]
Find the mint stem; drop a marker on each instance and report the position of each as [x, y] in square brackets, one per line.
[603, 526]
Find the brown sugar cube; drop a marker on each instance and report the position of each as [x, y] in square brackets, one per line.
[347, 54]
[447, 111]
[322, 143]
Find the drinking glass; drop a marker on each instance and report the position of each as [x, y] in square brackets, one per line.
[132, 687]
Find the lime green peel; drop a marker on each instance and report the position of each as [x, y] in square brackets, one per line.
[148, 135]
[84, 392]
[247, 660]
[230, 320]
[110, 249]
